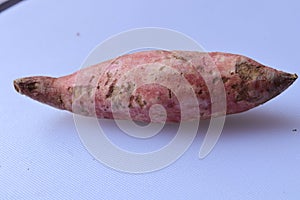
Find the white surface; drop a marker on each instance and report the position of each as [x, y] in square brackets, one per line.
[41, 156]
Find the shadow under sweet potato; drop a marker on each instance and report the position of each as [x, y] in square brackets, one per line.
[255, 122]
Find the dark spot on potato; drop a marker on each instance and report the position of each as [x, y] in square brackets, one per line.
[225, 79]
[215, 80]
[180, 58]
[170, 93]
[92, 78]
[242, 95]
[234, 86]
[111, 89]
[162, 68]
[248, 71]
[32, 86]
[70, 89]
[130, 101]
[138, 99]
[109, 75]
[60, 102]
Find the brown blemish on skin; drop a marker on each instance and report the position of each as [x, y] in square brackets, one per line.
[242, 95]
[247, 71]
[60, 102]
[41, 89]
[32, 86]
[70, 89]
[234, 86]
[170, 93]
[200, 92]
[225, 79]
[111, 89]
[180, 58]
[253, 83]
[215, 80]
[138, 99]
[92, 78]
[24, 86]
[108, 78]
[130, 101]
[161, 68]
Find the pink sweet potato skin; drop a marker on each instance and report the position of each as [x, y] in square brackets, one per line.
[111, 88]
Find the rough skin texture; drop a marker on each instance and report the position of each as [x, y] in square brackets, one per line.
[115, 87]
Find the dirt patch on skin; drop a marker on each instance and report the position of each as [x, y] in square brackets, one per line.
[138, 99]
[247, 71]
[111, 89]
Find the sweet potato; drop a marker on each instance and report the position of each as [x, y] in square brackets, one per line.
[131, 83]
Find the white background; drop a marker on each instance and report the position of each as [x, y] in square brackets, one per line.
[41, 156]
